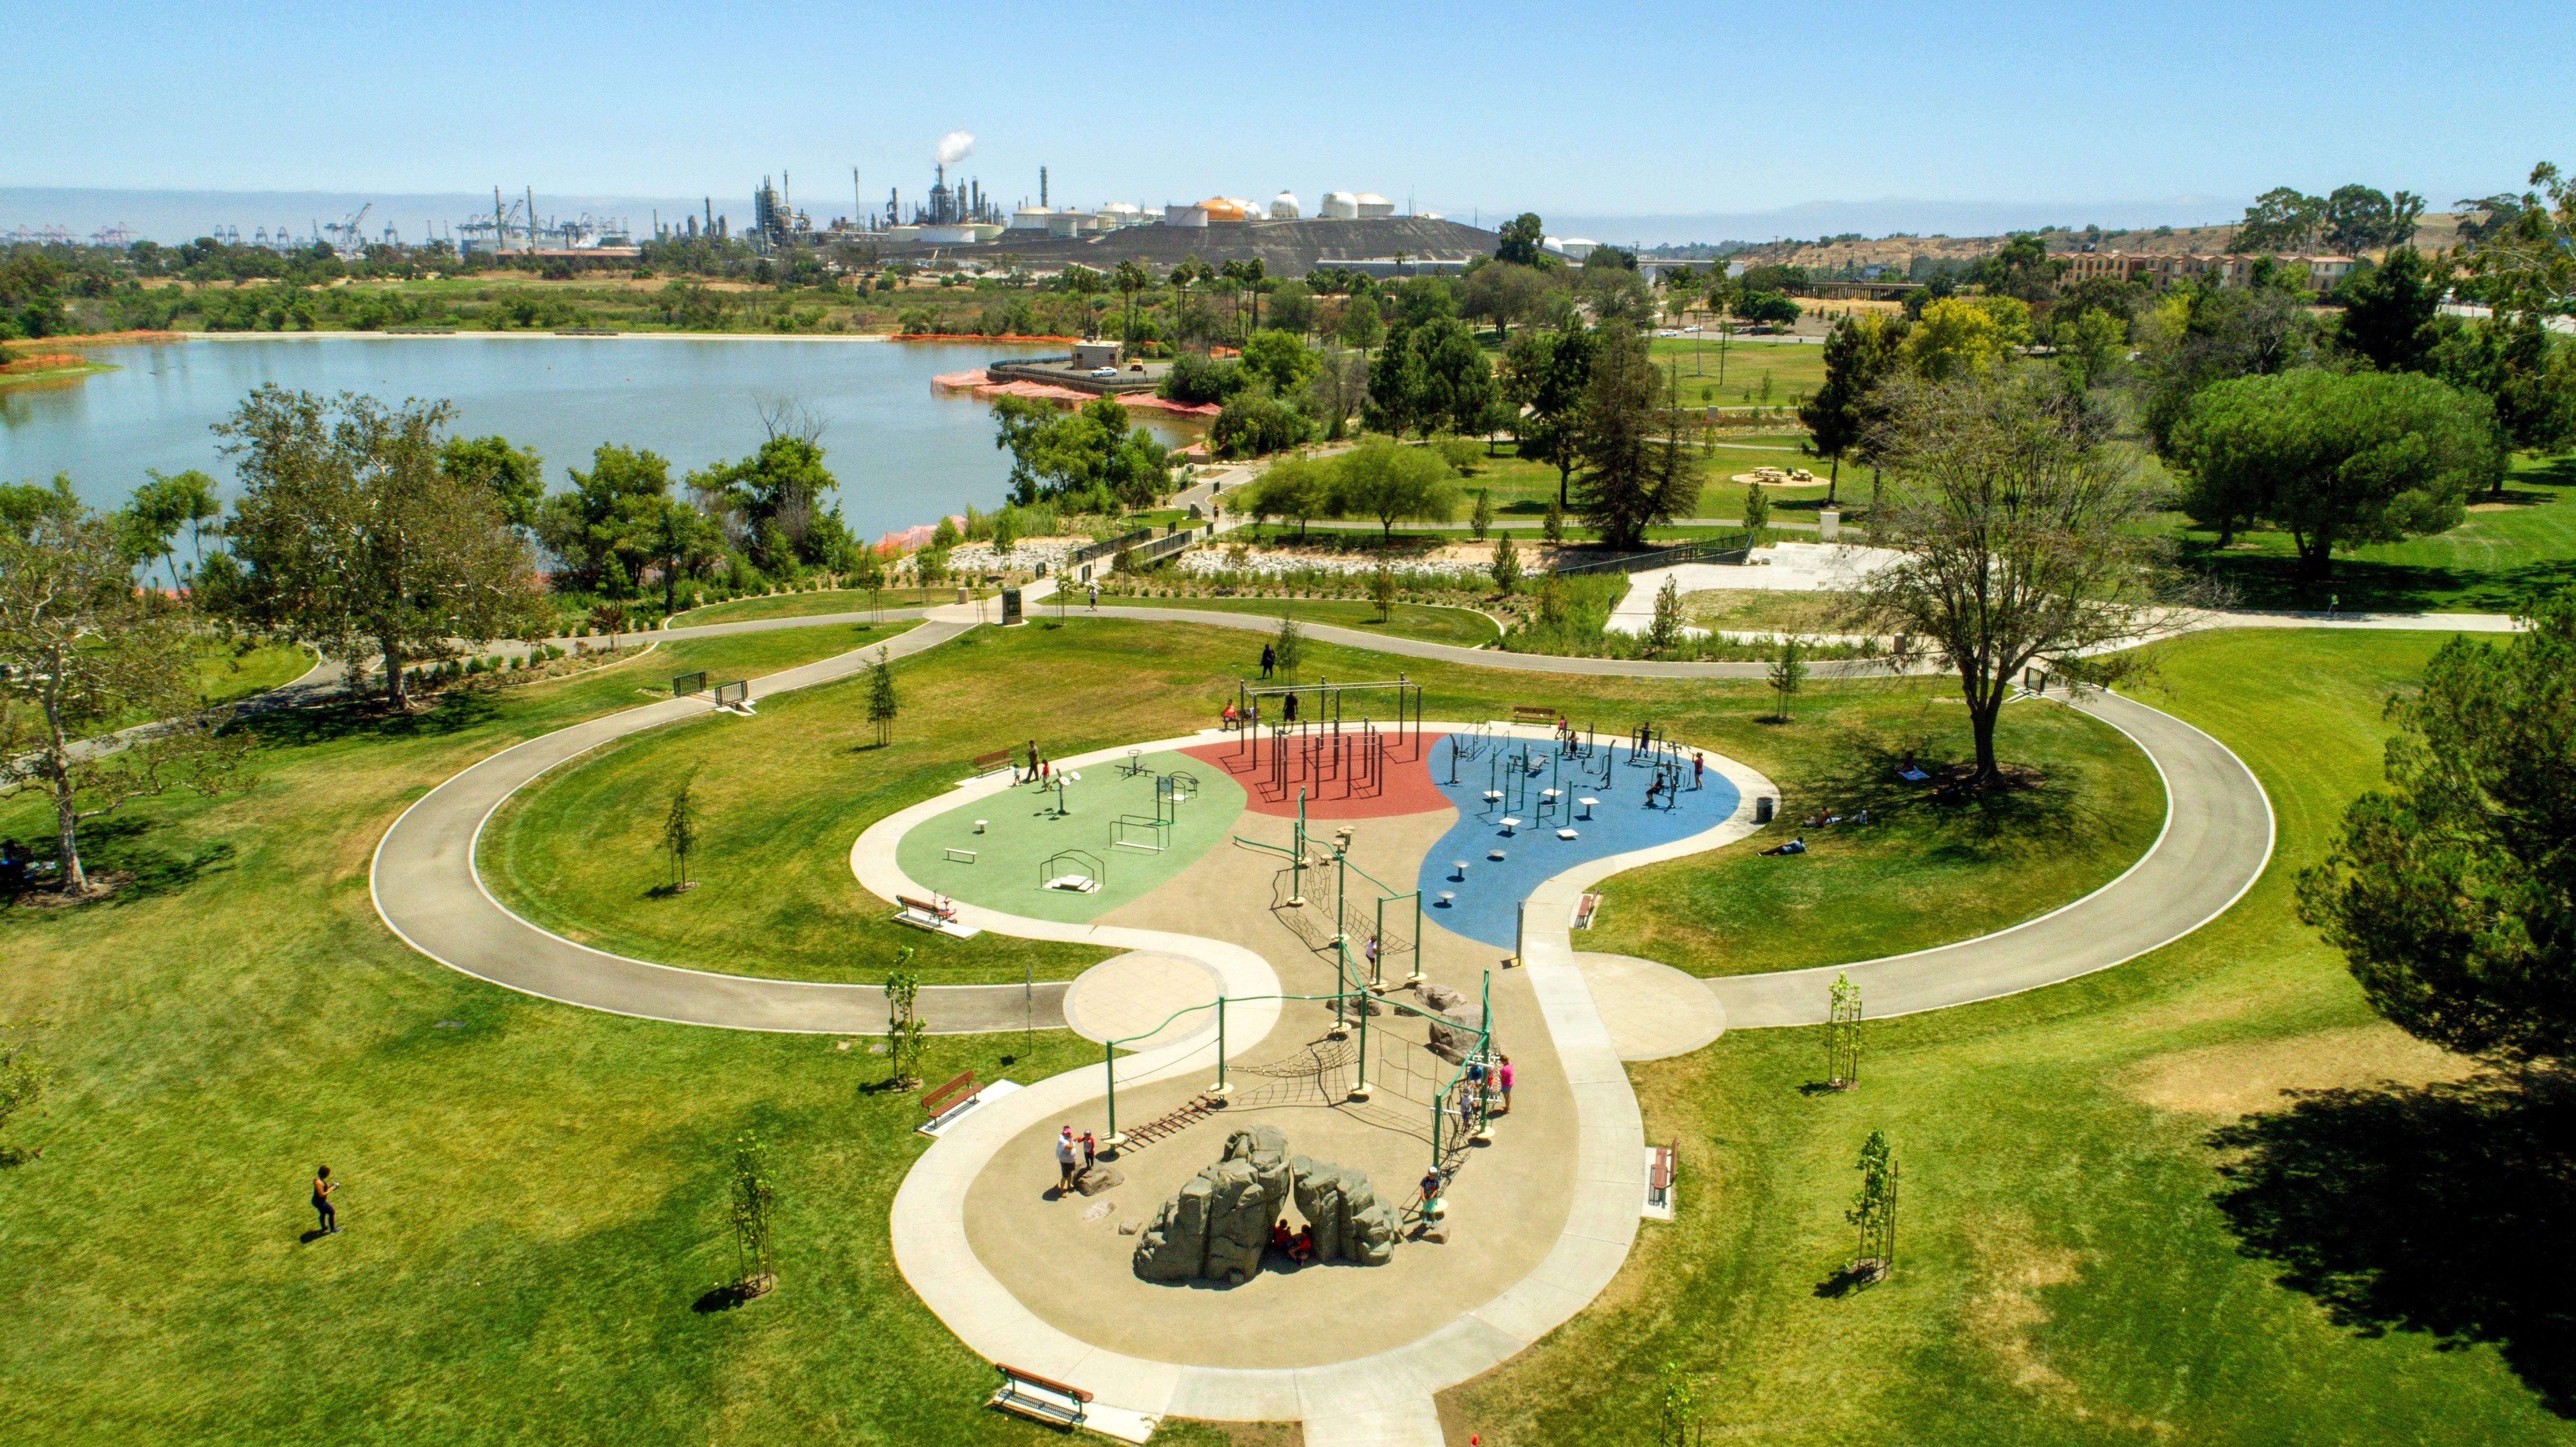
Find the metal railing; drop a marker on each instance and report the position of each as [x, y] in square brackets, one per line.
[1724, 548]
[1106, 546]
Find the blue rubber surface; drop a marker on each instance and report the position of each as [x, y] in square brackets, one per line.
[1487, 907]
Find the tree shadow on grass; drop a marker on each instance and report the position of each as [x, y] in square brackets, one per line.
[2442, 1209]
[134, 846]
[1858, 772]
[325, 723]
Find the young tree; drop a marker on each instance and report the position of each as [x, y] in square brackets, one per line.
[1552, 527]
[1842, 1034]
[2336, 458]
[1788, 674]
[882, 703]
[1382, 587]
[608, 618]
[753, 1205]
[2450, 892]
[1757, 507]
[23, 1079]
[904, 1030]
[1288, 647]
[680, 833]
[1638, 472]
[1480, 519]
[1664, 633]
[1506, 567]
[82, 654]
[349, 537]
[1388, 482]
[2018, 534]
[1873, 1209]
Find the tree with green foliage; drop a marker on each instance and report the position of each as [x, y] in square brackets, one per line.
[599, 531]
[2452, 893]
[2528, 375]
[1552, 526]
[1382, 587]
[781, 498]
[1678, 1405]
[1388, 482]
[1130, 278]
[348, 536]
[753, 1207]
[680, 540]
[2392, 312]
[883, 704]
[83, 653]
[2336, 459]
[161, 507]
[1506, 566]
[1522, 241]
[1960, 335]
[1255, 424]
[1873, 1209]
[1293, 487]
[2018, 534]
[1861, 353]
[1279, 358]
[1288, 648]
[904, 1031]
[1664, 631]
[1788, 674]
[1757, 508]
[2090, 347]
[2021, 269]
[1480, 519]
[680, 833]
[2206, 333]
[1638, 469]
[1361, 328]
[1550, 372]
[516, 476]
[1842, 1033]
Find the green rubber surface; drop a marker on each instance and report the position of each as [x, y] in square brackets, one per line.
[1022, 830]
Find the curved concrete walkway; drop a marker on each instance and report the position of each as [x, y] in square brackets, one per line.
[425, 885]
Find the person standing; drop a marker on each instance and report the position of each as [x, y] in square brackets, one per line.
[1090, 1150]
[1095, 597]
[323, 1186]
[1066, 1155]
[1699, 766]
[1269, 660]
[1503, 1078]
[1430, 1189]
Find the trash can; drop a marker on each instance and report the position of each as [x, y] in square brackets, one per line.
[1762, 810]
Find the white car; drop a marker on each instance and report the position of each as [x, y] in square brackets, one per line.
[1104, 371]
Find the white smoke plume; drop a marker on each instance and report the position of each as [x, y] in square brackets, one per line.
[954, 147]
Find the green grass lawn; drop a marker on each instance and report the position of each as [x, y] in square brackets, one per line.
[1920, 874]
[536, 1193]
[1793, 367]
[2485, 565]
[783, 795]
[1432, 623]
[1767, 609]
[226, 672]
[817, 603]
[2068, 1273]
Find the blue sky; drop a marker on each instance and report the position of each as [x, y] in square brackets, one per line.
[1599, 110]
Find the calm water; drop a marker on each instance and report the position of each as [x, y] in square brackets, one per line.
[904, 454]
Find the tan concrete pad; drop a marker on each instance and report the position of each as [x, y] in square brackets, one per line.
[1653, 1010]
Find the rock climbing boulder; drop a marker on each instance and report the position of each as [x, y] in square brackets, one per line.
[1349, 1221]
[1219, 1224]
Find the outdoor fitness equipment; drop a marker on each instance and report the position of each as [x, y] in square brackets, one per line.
[1093, 872]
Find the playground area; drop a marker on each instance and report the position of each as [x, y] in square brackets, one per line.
[1320, 849]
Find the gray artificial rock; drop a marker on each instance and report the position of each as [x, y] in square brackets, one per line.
[1093, 1179]
[1219, 1224]
[1341, 1207]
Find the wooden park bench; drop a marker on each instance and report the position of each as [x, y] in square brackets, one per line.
[950, 1099]
[924, 913]
[1659, 1177]
[984, 764]
[1040, 1399]
[1533, 713]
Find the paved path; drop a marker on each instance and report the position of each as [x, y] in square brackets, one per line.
[2216, 839]
[426, 887]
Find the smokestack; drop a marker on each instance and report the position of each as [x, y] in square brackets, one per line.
[1042, 197]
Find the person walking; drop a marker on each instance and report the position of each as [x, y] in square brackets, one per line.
[1095, 597]
[1066, 1155]
[1430, 1189]
[323, 1186]
[1503, 1078]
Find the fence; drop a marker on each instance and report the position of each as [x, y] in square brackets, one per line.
[1162, 548]
[1724, 548]
[1106, 546]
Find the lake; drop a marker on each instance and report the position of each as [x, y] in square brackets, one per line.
[904, 454]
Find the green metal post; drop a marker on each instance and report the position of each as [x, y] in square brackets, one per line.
[1220, 1044]
[1109, 1063]
[1361, 1092]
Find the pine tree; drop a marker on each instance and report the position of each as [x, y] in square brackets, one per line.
[882, 703]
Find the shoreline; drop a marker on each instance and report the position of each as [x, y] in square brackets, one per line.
[166, 338]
